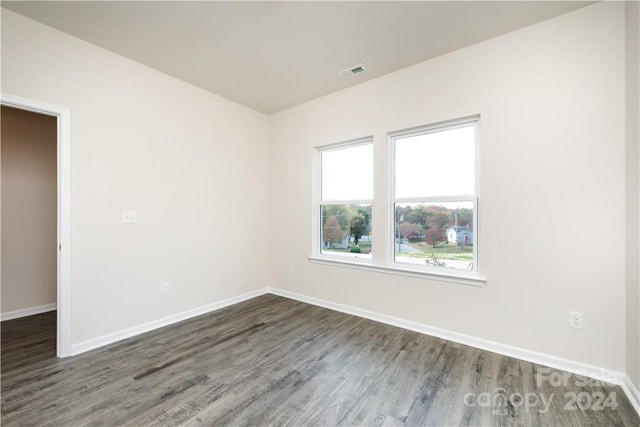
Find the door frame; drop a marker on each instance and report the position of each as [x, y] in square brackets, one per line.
[63, 115]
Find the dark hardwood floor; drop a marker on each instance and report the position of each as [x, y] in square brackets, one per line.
[274, 361]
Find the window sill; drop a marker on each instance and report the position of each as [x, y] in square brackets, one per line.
[464, 278]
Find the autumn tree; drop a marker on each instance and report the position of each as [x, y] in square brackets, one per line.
[341, 212]
[331, 231]
[433, 236]
[438, 215]
[465, 217]
[357, 227]
[409, 230]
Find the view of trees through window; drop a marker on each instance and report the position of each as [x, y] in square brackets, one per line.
[436, 234]
[345, 200]
[346, 229]
[432, 198]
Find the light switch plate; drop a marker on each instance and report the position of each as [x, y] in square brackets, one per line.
[129, 216]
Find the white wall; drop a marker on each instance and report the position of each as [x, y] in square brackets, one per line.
[192, 163]
[29, 210]
[633, 190]
[552, 104]
[199, 169]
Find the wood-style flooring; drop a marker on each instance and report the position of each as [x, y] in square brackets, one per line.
[275, 361]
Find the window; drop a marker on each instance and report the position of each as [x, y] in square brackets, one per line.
[429, 206]
[434, 197]
[346, 193]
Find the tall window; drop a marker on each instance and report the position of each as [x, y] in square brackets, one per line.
[434, 196]
[346, 192]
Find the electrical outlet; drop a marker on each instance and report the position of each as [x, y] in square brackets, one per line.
[165, 288]
[292, 271]
[576, 320]
[129, 216]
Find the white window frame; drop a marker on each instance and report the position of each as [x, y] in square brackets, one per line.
[383, 203]
[318, 202]
[472, 274]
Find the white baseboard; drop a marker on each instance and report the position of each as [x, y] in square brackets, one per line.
[578, 368]
[28, 311]
[155, 324]
[632, 392]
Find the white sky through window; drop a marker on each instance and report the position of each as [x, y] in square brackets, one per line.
[347, 173]
[436, 164]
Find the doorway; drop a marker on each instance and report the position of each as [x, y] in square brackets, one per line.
[29, 213]
[58, 120]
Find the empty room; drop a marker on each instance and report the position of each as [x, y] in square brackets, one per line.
[318, 213]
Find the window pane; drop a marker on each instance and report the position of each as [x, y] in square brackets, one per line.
[436, 164]
[346, 229]
[438, 234]
[347, 173]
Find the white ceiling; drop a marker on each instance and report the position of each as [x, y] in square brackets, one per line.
[273, 55]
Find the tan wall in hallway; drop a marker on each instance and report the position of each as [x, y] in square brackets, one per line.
[29, 214]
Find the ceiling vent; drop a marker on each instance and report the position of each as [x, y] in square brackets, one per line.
[350, 72]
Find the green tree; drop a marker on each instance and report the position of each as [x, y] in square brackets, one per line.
[331, 231]
[365, 212]
[357, 227]
[417, 215]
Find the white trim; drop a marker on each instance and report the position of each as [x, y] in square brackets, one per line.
[64, 210]
[632, 393]
[435, 127]
[444, 275]
[579, 368]
[437, 199]
[159, 323]
[316, 195]
[345, 202]
[365, 140]
[27, 311]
